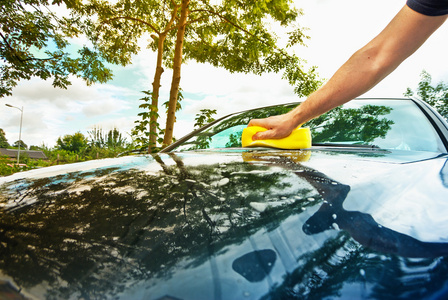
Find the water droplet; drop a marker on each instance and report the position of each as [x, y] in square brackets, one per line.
[223, 181]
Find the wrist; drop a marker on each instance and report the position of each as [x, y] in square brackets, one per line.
[294, 118]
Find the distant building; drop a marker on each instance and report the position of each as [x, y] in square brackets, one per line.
[34, 154]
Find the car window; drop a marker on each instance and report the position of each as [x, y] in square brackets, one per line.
[386, 124]
[227, 132]
[411, 130]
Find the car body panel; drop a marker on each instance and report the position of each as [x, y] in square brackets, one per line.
[231, 224]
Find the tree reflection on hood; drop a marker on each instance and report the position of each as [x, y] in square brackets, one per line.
[98, 233]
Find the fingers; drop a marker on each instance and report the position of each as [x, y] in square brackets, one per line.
[270, 134]
[258, 122]
[263, 135]
[276, 127]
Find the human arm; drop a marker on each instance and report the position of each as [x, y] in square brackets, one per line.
[407, 31]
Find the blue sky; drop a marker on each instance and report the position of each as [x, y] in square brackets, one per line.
[337, 30]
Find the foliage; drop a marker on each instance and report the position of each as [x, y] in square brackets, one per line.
[204, 117]
[234, 140]
[436, 96]
[239, 38]
[70, 235]
[141, 133]
[233, 35]
[351, 124]
[72, 142]
[34, 40]
[115, 139]
[204, 139]
[112, 140]
[76, 147]
[3, 141]
[355, 125]
[36, 148]
[120, 217]
[8, 166]
[21, 143]
[70, 149]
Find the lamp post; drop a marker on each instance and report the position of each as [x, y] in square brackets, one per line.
[20, 131]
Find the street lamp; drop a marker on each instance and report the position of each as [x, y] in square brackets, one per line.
[20, 132]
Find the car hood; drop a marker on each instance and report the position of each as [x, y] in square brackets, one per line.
[227, 225]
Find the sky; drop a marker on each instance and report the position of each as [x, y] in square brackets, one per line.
[336, 29]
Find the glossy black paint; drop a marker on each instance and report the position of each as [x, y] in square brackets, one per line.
[231, 225]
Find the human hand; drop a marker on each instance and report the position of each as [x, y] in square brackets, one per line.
[277, 127]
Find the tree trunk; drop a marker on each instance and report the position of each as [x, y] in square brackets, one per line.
[177, 61]
[155, 95]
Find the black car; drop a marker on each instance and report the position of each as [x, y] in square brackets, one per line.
[362, 214]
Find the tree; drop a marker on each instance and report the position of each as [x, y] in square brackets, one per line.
[111, 140]
[114, 139]
[133, 20]
[143, 133]
[363, 124]
[436, 96]
[33, 42]
[230, 34]
[36, 148]
[21, 143]
[235, 36]
[72, 142]
[3, 141]
[96, 137]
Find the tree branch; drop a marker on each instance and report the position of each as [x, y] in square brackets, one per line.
[233, 24]
[281, 51]
[195, 20]
[14, 52]
[169, 26]
[133, 19]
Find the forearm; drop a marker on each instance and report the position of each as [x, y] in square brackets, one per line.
[369, 65]
[358, 75]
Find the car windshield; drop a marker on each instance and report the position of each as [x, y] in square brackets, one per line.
[377, 123]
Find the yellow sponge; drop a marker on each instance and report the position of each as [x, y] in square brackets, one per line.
[300, 138]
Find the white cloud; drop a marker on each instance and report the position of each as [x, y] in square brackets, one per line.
[101, 107]
[50, 112]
